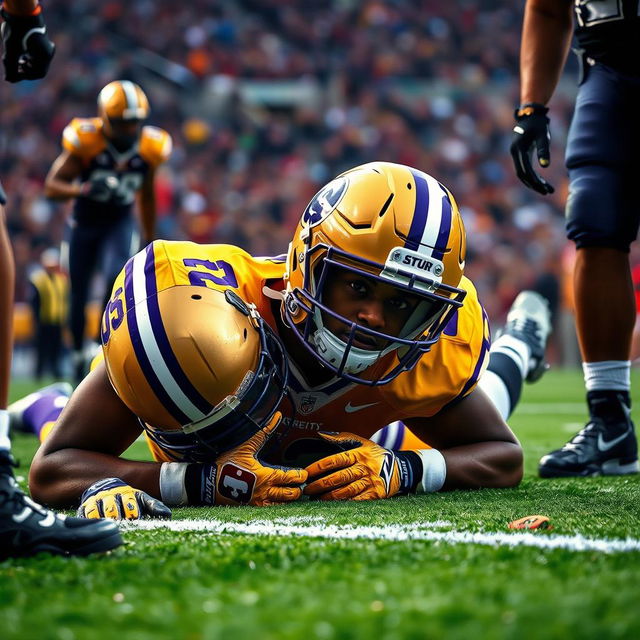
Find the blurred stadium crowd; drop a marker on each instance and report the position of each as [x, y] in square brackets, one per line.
[268, 99]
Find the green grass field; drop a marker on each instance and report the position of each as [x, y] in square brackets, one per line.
[438, 566]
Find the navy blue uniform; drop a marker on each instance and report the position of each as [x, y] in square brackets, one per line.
[602, 155]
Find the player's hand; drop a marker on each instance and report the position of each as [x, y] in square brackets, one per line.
[364, 471]
[113, 498]
[101, 189]
[27, 48]
[531, 130]
[240, 478]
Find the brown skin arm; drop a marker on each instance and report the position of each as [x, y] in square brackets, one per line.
[147, 207]
[479, 448]
[61, 181]
[92, 432]
[546, 38]
[7, 277]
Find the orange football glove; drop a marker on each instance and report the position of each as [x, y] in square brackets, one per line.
[364, 471]
[240, 478]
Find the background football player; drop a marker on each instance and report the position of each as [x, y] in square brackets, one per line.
[27, 528]
[106, 162]
[378, 324]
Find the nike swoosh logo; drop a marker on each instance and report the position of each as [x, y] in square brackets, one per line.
[605, 445]
[351, 408]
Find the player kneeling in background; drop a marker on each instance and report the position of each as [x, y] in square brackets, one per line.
[373, 316]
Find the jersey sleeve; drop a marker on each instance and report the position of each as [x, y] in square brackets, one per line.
[155, 146]
[83, 137]
[452, 369]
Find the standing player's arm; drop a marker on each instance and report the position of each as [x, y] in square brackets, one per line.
[21, 7]
[546, 38]
[478, 447]
[61, 182]
[147, 207]
[85, 446]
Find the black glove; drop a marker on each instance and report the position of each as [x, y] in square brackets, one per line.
[532, 128]
[27, 49]
[101, 189]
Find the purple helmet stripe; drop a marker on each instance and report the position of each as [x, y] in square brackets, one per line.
[419, 219]
[162, 339]
[141, 355]
[445, 226]
[397, 443]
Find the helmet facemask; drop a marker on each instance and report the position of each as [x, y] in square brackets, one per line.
[436, 304]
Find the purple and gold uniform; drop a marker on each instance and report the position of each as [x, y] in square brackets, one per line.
[84, 138]
[448, 372]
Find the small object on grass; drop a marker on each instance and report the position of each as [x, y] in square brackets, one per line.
[531, 522]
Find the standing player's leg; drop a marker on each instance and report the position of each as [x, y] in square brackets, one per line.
[7, 280]
[27, 528]
[603, 215]
[120, 244]
[84, 249]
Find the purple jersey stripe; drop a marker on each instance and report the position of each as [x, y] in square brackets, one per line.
[162, 339]
[486, 345]
[445, 226]
[141, 355]
[451, 328]
[419, 220]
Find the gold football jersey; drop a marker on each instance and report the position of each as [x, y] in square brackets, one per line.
[449, 371]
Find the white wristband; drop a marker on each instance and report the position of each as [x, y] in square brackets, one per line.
[434, 470]
[172, 489]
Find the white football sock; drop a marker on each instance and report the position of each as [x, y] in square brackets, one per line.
[494, 386]
[614, 375]
[5, 444]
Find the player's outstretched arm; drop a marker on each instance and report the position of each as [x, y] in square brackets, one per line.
[61, 181]
[94, 429]
[479, 449]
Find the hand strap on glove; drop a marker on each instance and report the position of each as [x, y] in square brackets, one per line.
[530, 109]
[195, 484]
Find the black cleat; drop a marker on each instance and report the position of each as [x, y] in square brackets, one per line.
[601, 448]
[26, 528]
[529, 320]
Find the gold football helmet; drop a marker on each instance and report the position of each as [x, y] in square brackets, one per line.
[123, 106]
[389, 223]
[199, 367]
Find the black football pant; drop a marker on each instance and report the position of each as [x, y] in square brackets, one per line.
[48, 350]
[93, 249]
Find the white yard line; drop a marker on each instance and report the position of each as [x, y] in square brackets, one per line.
[317, 528]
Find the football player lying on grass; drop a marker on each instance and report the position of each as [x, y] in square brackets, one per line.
[234, 367]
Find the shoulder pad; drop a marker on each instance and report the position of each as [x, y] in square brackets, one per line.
[83, 137]
[155, 145]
